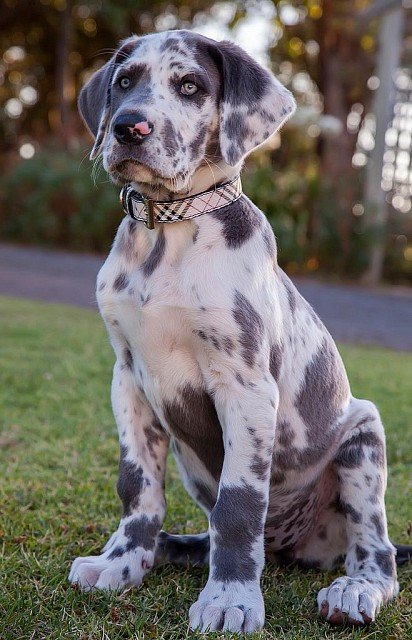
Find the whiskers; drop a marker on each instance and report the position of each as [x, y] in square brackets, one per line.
[96, 169]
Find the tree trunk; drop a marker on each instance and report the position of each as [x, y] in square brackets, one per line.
[343, 73]
[63, 75]
[376, 207]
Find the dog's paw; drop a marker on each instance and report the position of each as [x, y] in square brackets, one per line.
[110, 571]
[228, 607]
[354, 601]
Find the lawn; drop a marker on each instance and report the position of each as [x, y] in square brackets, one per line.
[58, 455]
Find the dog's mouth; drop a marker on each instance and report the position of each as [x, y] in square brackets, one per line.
[135, 171]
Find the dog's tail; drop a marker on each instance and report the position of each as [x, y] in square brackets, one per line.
[403, 553]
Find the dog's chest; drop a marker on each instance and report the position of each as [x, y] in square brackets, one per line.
[150, 313]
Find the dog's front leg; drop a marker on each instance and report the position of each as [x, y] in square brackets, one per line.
[129, 553]
[232, 599]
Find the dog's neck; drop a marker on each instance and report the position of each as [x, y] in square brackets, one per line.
[206, 177]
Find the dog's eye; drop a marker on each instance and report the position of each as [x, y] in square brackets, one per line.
[124, 82]
[188, 88]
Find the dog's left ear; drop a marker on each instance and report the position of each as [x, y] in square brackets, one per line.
[254, 104]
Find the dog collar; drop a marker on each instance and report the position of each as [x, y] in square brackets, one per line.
[150, 211]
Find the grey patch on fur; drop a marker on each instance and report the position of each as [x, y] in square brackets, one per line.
[239, 221]
[284, 434]
[128, 359]
[351, 454]
[361, 553]
[121, 281]
[181, 550]
[269, 240]
[155, 256]
[251, 327]
[142, 532]
[196, 145]
[377, 456]
[204, 495]
[117, 552]
[170, 45]
[275, 360]
[322, 394]
[235, 128]
[386, 562]
[129, 483]
[192, 418]
[195, 233]
[169, 138]
[290, 290]
[102, 286]
[354, 515]
[376, 520]
[125, 573]
[238, 520]
[260, 467]
[154, 436]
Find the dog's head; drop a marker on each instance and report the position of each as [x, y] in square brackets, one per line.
[167, 103]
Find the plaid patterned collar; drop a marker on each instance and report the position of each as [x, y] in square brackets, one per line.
[151, 211]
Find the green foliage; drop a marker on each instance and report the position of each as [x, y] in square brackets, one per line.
[58, 455]
[51, 200]
[305, 219]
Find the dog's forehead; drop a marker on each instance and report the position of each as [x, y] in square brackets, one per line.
[167, 52]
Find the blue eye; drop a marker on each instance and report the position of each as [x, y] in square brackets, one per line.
[124, 82]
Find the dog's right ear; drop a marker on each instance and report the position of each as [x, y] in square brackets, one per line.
[94, 105]
[95, 97]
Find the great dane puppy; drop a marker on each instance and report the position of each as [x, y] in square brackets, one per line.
[218, 355]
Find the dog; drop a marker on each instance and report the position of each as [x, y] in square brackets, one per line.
[217, 354]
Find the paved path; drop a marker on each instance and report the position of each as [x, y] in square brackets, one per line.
[351, 313]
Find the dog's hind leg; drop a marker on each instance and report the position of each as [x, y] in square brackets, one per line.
[183, 550]
[360, 465]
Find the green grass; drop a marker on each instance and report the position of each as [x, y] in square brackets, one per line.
[58, 455]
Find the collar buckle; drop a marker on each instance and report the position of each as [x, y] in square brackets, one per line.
[149, 210]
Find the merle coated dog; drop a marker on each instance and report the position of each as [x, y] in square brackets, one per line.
[218, 355]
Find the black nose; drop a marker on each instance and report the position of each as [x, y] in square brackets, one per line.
[131, 128]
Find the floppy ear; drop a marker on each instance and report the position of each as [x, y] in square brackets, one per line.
[94, 99]
[254, 104]
[94, 105]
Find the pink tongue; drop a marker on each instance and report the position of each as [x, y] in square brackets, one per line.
[142, 128]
